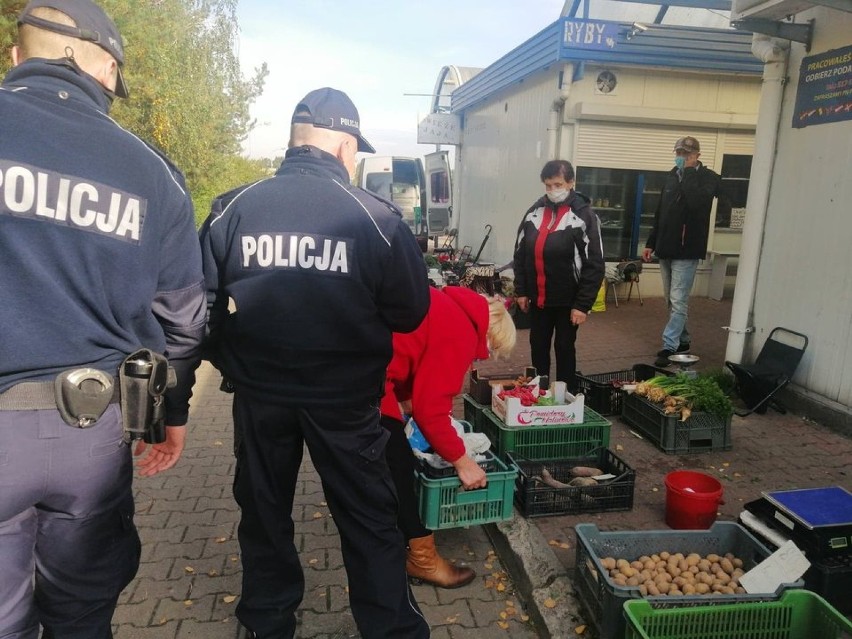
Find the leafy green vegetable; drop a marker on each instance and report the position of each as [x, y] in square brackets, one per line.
[702, 393]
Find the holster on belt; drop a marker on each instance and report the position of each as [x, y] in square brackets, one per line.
[144, 377]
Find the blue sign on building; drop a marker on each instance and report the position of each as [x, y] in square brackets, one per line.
[825, 89]
[590, 34]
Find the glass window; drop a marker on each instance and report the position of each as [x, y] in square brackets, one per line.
[439, 184]
[730, 208]
[380, 184]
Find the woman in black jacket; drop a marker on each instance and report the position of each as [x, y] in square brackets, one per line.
[559, 267]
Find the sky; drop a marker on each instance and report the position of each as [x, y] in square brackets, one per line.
[386, 54]
[377, 51]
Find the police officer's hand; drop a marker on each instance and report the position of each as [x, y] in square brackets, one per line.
[470, 474]
[161, 456]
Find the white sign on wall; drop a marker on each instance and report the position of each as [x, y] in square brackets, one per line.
[439, 128]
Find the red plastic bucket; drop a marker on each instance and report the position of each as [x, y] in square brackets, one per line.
[692, 500]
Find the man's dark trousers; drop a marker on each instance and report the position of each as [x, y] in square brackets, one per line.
[347, 447]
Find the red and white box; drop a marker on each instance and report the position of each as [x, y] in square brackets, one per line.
[569, 408]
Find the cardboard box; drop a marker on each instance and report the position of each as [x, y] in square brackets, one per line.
[480, 385]
[511, 411]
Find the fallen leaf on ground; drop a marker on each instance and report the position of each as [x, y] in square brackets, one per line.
[503, 625]
[564, 546]
[525, 618]
[221, 540]
[229, 598]
[218, 442]
[312, 561]
[189, 569]
[501, 587]
[580, 629]
[317, 515]
[452, 619]
[549, 603]
[212, 573]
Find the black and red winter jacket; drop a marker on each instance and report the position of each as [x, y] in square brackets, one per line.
[558, 257]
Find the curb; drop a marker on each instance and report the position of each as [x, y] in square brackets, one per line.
[540, 578]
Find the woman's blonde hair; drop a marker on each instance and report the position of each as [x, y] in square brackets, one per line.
[501, 328]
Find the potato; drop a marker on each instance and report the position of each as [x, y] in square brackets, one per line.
[704, 565]
[713, 558]
[688, 589]
[738, 563]
[608, 563]
[674, 592]
[620, 563]
[644, 558]
[683, 565]
[664, 587]
[633, 581]
[628, 571]
[739, 590]
[656, 558]
[637, 565]
[701, 588]
[650, 564]
[664, 556]
[653, 590]
[643, 590]
[727, 566]
[673, 570]
[692, 559]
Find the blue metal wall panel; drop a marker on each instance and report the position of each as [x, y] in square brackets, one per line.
[665, 46]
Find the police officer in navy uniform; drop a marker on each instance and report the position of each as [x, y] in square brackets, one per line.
[98, 258]
[320, 274]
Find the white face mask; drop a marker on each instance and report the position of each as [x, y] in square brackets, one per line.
[558, 195]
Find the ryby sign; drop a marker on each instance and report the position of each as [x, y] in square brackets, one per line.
[590, 34]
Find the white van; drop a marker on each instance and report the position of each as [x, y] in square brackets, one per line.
[421, 190]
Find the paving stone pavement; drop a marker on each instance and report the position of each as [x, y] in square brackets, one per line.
[189, 580]
[188, 583]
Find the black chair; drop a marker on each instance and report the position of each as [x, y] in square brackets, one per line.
[758, 383]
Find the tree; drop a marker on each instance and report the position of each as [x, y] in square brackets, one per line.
[187, 94]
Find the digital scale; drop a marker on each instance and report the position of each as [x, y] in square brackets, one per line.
[819, 521]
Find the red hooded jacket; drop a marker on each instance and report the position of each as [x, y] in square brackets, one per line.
[429, 365]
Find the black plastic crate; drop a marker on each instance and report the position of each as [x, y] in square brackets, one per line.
[831, 578]
[700, 433]
[605, 398]
[536, 499]
[480, 384]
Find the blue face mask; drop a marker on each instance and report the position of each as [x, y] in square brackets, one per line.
[680, 162]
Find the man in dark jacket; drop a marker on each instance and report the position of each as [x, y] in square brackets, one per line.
[558, 266]
[679, 238]
[321, 274]
[99, 258]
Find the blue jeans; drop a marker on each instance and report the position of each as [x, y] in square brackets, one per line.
[678, 277]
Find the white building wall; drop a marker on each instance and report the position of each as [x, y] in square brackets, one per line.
[504, 145]
[805, 271]
[505, 142]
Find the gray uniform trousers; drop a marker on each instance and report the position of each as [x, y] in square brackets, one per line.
[66, 517]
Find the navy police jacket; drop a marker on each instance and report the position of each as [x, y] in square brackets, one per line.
[98, 250]
[318, 274]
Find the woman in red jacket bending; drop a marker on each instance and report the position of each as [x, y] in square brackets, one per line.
[426, 373]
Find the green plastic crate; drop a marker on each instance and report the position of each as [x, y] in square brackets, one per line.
[700, 433]
[473, 410]
[603, 599]
[443, 503]
[799, 614]
[546, 442]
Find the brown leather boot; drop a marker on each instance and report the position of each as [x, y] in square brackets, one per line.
[424, 563]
